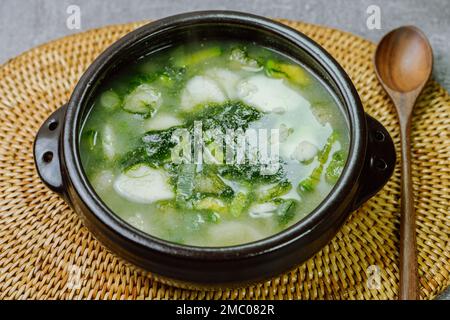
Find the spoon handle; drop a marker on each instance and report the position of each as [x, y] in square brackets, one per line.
[408, 256]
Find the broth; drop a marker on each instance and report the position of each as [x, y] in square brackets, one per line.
[213, 143]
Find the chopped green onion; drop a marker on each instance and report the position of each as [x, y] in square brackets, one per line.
[239, 203]
[286, 211]
[274, 191]
[198, 57]
[310, 183]
[293, 73]
[335, 167]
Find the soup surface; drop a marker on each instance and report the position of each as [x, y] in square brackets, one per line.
[213, 143]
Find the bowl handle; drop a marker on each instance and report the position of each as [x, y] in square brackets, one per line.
[47, 151]
[379, 164]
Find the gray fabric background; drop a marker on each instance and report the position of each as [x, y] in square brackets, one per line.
[27, 23]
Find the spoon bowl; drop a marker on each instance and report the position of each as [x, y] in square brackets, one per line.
[404, 59]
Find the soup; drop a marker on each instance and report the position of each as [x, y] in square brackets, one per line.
[213, 143]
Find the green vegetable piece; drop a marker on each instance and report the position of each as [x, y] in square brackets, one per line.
[335, 167]
[229, 115]
[145, 100]
[239, 204]
[154, 149]
[241, 56]
[211, 204]
[211, 184]
[109, 99]
[325, 152]
[309, 184]
[185, 183]
[294, 73]
[166, 205]
[134, 157]
[286, 211]
[238, 55]
[172, 78]
[166, 80]
[251, 173]
[212, 217]
[91, 143]
[155, 146]
[275, 191]
[90, 139]
[197, 57]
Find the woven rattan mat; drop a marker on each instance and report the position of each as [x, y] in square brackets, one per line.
[42, 241]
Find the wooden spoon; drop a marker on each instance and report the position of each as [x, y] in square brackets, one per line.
[403, 62]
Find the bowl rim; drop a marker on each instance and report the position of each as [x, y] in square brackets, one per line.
[338, 196]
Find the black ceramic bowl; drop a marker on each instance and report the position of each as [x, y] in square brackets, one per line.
[370, 162]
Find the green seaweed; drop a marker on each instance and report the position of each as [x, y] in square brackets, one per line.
[155, 146]
[211, 184]
[286, 211]
[334, 169]
[154, 149]
[229, 115]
